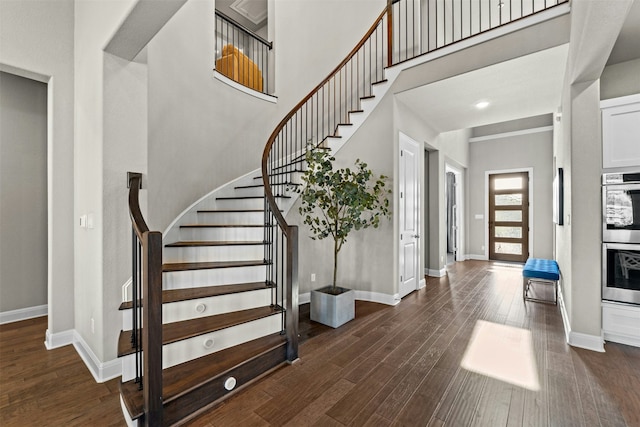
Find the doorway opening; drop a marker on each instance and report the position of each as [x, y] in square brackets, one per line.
[509, 216]
[453, 181]
[24, 195]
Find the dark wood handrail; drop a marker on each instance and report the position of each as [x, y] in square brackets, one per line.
[149, 289]
[134, 182]
[267, 149]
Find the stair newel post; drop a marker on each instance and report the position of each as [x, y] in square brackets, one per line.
[152, 321]
[292, 293]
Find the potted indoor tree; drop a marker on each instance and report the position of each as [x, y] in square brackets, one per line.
[336, 202]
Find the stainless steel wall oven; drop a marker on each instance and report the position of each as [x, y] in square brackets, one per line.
[621, 272]
[621, 207]
[621, 237]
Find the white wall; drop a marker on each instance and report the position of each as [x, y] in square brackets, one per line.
[366, 262]
[534, 150]
[23, 193]
[445, 148]
[211, 132]
[36, 41]
[101, 131]
[124, 150]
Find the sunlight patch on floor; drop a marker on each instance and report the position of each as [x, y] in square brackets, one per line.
[502, 352]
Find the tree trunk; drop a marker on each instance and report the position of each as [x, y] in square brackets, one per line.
[335, 263]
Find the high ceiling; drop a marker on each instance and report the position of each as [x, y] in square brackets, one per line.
[527, 86]
[252, 14]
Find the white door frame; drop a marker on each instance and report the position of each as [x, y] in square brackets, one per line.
[420, 281]
[486, 206]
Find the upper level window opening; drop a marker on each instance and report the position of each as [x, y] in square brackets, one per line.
[242, 50]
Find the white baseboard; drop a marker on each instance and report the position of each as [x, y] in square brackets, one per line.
[101, 371]
[436, 273]
[622, 339]
[360, 296]
[565, 316]
[577, 339]
[23, 314]
[304, 298]
[378, 297]
[422, 283]
[59, 339]
[589, 342]
[477, 257]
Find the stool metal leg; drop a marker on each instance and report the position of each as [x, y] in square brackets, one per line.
[527, 284]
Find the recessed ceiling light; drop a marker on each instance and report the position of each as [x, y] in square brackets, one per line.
[482, 105]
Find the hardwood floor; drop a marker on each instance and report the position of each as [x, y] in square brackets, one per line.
[390, 366]
[50, 388]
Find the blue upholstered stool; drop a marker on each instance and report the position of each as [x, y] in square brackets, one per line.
[544, 271]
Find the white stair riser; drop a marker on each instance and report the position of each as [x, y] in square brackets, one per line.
[202, 345]
[213, 253]
[242, 234]
[214, 276]
[201, 307]
[128, 367]
[231, 217]
[240, 203]
[185, 310]
[185, 350]
[251, 191]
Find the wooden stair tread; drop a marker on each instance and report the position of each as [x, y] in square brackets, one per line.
[229, 210]
[180, 379]
[178, 331]
[188, 266]
[248, 197]
[199, 243]
[222, 225]
[185, 294]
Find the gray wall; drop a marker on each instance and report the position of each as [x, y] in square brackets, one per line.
[534, 151]
[36, 41]
[620, 79]
[23, 192]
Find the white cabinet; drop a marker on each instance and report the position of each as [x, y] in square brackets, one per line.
[621, 323]
[621, 131]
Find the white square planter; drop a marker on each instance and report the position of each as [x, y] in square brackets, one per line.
[332, 310]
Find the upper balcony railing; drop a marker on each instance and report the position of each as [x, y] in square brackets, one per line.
[422, 26]
[242, 55]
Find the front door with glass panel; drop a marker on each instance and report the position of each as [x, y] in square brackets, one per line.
[509, 217]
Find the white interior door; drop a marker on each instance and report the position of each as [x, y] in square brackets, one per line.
[409, 215]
